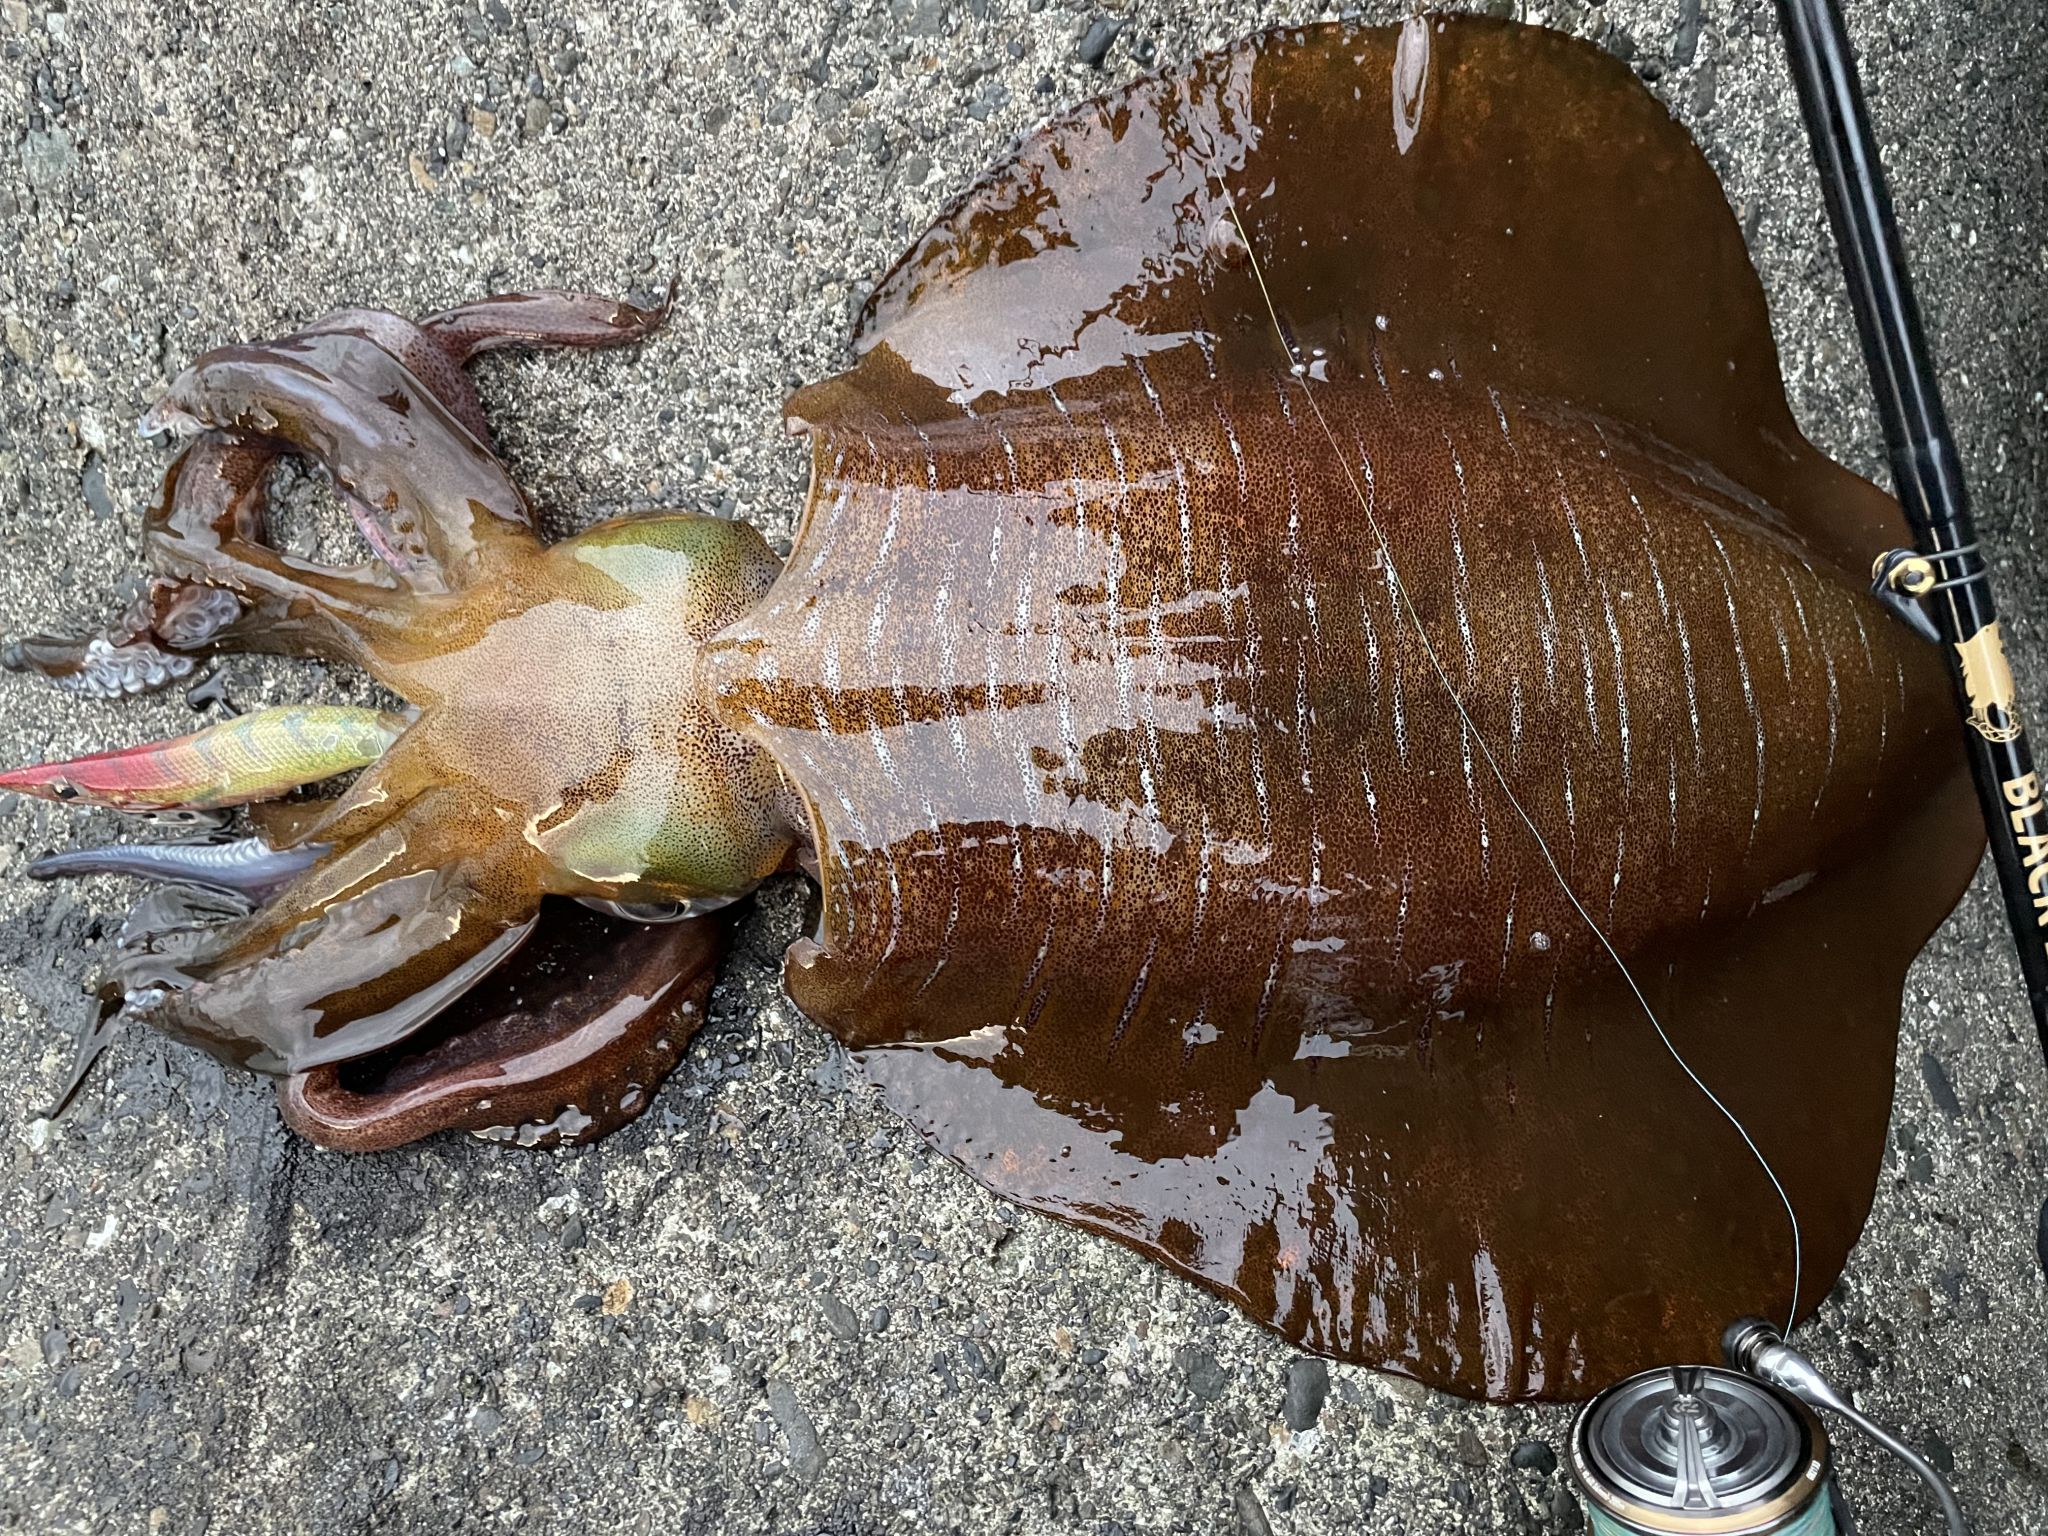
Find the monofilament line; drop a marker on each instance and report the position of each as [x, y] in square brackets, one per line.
[1300, 371]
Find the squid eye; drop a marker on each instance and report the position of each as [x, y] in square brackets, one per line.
[658, 911]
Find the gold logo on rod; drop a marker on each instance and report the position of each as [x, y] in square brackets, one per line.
[1994, 708]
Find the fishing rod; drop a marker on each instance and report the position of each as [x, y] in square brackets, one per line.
[1943, 585]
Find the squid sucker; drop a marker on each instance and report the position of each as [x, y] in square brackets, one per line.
[1313, 550]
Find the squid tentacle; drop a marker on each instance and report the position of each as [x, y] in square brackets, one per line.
[434, 498]
[216, 586]
[437, 348]
[220, 587]
[384, 406]
[547, 317]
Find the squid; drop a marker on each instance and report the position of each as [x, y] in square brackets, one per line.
[1339, 726]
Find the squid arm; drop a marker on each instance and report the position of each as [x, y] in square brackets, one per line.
[360, 950]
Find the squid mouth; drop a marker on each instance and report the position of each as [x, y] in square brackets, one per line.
[565, 1041]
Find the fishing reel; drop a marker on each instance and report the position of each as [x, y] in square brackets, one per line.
[1694, 1449]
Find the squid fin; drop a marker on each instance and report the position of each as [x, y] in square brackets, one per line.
[1509, 206]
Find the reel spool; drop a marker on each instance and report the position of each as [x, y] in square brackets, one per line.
[1699, 1451]
[1694, 1450]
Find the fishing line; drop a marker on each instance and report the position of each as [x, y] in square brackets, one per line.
[1400, 586]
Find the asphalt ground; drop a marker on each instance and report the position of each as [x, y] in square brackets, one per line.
[765, 1307]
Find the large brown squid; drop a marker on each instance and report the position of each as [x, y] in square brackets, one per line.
[1314, 649]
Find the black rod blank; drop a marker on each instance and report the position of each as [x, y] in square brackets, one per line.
[1927, 475]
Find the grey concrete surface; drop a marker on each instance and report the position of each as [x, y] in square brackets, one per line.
[765, 1308]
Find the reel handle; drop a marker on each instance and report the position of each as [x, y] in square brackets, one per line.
[1753, 1346]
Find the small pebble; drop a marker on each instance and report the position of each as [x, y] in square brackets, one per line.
[988, 103]
[1939, 1086]
[1205, 1377]
[47, 156]
[1937, 1450]
[1534, 1456]
[1308, 1386]
[839, 1317]
[1685, 37]
[92, 482]
[982, 1359]
[1565, 1515]
[1102, 31]
[806, 1455]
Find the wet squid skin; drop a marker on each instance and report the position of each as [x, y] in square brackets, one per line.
[1167, 883]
